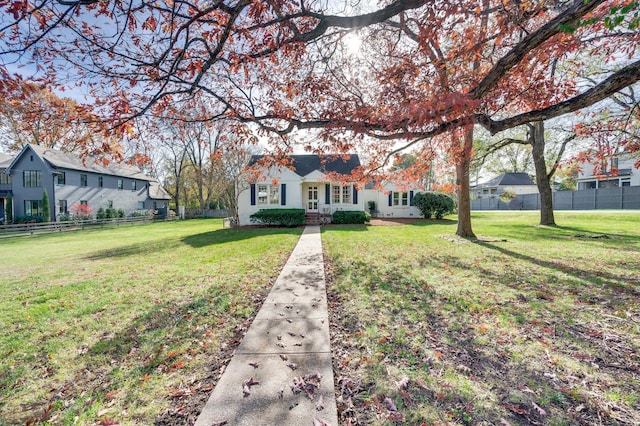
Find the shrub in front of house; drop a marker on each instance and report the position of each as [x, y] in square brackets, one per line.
[29, 219]
[350, 217]
[279, 217]
[101, 214]
[434, 204]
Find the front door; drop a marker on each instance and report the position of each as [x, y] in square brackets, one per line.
[312, 199]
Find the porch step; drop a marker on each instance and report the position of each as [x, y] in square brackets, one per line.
[312, 219]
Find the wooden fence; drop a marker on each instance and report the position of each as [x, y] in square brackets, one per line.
[31, 229]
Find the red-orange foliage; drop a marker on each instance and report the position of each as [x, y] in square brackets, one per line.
[82, 211]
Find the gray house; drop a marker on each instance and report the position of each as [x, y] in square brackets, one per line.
[5, 183]
[518, 183]
[69, 181]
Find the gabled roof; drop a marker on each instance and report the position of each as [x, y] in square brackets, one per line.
[512, 179]
[157, 192]
[305, 164]
[67, 160]
[5, 160]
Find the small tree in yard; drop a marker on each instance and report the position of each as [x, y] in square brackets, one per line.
[8, 210]
[46, 211]
[81, 211]
[436, 204]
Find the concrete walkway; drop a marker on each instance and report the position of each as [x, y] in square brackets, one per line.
[281, 373]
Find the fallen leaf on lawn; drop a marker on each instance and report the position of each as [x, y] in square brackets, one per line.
[516, 408]
[108, 422]
[396, 416]
[539, 409]
[145, 377]
[388, 402]
[403, 383]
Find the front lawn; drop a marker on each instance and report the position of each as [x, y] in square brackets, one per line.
[127, 325]
[543, 328]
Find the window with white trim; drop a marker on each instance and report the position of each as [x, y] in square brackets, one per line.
[400, 198]
[268, 194]
[341, 194]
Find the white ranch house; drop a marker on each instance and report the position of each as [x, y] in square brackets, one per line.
[306, 184]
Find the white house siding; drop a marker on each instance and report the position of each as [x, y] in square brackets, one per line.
[297, 195]
[587, 179]
[293, 195]
[383, 207]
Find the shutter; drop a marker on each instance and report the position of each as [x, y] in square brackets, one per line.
[390, 198]
[410, 198]
[283, 194]
[327, 194]
[253, 194]
[355, 195]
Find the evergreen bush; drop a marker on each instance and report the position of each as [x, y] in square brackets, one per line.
[350, 217]
[279, 217]
[434, 204]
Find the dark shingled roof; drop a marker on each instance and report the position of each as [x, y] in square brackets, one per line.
[305, 164]
[508, 179]
[66, 160]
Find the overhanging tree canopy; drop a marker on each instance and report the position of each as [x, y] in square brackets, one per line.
[433, 69]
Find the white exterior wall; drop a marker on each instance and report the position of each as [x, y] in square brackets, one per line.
[296, 195]
[293, 195]
[519, 189]
[586, 172]
[381, 198]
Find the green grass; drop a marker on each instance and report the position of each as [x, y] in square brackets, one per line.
[113, 324]
[493, 329]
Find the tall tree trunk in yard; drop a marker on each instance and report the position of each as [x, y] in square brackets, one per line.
[463, 167]
[543, 179]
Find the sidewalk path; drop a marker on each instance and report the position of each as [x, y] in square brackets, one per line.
[281, 373]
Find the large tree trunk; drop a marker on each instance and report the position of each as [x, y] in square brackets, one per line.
[543, 180]
[462, 180]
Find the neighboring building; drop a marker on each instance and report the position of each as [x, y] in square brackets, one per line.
[306, 184]
[5, 183]
[518, 183]
[69, 181]
[617, 171]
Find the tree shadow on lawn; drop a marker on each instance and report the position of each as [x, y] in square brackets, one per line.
[525, 387]
[221, 236]
[152, 347]
[136, 249]
[599, 278]
[537, 233]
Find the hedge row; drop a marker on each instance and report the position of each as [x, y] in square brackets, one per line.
[350, 217]
[279, 217]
